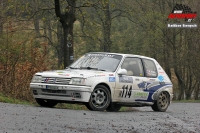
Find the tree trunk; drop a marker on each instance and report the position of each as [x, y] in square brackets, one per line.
[3, 6]
[180, 85]
[36, 19]
[67, 20]
[49, 30]
[197, 92]
[37, 25]
[1, 24]
[188, 91]
[106, 26]
[59, 48]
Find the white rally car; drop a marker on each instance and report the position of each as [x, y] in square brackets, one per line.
[106, 81]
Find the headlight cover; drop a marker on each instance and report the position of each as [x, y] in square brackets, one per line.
[37, 79]
[77, 81]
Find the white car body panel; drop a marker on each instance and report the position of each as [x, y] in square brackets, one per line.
[123, 88]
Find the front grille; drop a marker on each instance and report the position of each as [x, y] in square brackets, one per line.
[54, 91]
[56, 80]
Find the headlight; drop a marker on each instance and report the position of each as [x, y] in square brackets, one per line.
[37, 79]
[77, 81]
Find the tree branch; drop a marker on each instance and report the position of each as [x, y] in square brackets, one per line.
[57, 8]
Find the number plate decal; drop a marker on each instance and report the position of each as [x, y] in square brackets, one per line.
[52, 87]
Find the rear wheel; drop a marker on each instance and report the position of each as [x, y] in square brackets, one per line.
[46, 103]
[162, 102]
[99, 99]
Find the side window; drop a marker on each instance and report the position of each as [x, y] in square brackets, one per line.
[133, 66]
[150, 68]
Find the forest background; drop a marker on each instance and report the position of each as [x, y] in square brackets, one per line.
[35, 35]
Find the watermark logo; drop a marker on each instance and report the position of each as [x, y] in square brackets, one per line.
[182, 13]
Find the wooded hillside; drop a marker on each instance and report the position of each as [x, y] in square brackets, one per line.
[41, 35]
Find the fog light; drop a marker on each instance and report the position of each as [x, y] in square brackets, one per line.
[76, 95]
[35, 92]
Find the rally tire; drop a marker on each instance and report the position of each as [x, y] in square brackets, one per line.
[162, 102]
[88, 106]
[100, 98]
[113, 107]
[46, 103]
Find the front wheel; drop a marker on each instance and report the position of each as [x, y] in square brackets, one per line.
[88, 106]
[113, 107]
[46, 103]
[162, 102]
[99, 99]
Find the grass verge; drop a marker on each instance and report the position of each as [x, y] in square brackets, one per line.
[6, 99]
[71, 106]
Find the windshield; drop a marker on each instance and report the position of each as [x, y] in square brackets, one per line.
[104, 62]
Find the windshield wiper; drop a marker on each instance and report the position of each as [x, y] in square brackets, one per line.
[89, 68]
[101, 70]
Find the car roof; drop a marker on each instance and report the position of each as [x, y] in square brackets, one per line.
[125, 55]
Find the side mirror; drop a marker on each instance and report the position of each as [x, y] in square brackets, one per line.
[122, 72]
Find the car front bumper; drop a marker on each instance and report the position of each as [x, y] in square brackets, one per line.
[61, 92]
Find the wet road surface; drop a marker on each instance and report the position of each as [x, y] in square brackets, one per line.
[179, 118]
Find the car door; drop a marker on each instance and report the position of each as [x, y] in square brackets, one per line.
[127, 89]
[152, 81]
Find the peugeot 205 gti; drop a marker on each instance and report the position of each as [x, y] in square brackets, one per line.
[106, 81]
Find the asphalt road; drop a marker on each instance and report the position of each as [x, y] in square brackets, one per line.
[179, 118]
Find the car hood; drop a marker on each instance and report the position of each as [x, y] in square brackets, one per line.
[68, 73]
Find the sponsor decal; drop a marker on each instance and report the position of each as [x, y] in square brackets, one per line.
[144, 85]
[151, 73]
[126, 79]
[99, 72]
[103, 55]
[152, 79]
[52, 80]
[64, 74]
[111, 79]
[137, 80]
[140, 95]
[111, 74]
[162, 83]
[100, 75]
[161, 72]
[161, 78]
[46, 80]
[91, 76]
[60, 72]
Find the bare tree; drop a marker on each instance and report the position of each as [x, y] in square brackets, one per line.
[67, 20]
